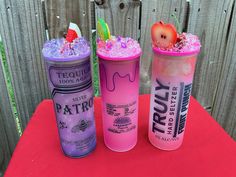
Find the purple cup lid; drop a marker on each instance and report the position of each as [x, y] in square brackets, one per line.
[60, 50]
[68, 58]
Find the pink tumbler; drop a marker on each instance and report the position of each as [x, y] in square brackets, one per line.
[119, 82]
[172, 76]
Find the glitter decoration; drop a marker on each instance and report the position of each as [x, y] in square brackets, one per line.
[118, 47]
[118, 38]
[60, 48]
[101, 44]
[123, 45]
[108, 45]
[98, 40]
[128, 39]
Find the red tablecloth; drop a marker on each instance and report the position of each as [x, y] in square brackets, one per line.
[207, 150]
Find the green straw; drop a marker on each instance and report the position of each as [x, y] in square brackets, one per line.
[176, 23]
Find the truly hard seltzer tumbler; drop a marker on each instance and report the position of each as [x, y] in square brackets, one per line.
[119, 82]
[70, 83]
[172, 76]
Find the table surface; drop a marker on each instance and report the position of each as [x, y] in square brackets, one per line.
[207, 150]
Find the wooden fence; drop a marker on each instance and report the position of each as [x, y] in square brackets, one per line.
[26, 24]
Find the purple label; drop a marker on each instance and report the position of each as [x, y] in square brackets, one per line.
[72, 93]
[67, 77]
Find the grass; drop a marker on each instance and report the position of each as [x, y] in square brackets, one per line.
[95, 66]
[10, 88]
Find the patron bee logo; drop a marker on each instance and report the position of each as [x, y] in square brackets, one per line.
[81, 126]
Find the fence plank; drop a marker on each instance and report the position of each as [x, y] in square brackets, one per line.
[122, 16]
[209, 20]
[8, 131]
[5, 154]
[153, 11]
[225, 103]
[93, 16]
[61, 12]
[23, 33]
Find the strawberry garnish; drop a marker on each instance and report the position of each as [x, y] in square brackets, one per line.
[71, 35]
[73, 32]
[163, 35]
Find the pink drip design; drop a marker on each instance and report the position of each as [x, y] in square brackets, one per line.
[131, 79]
